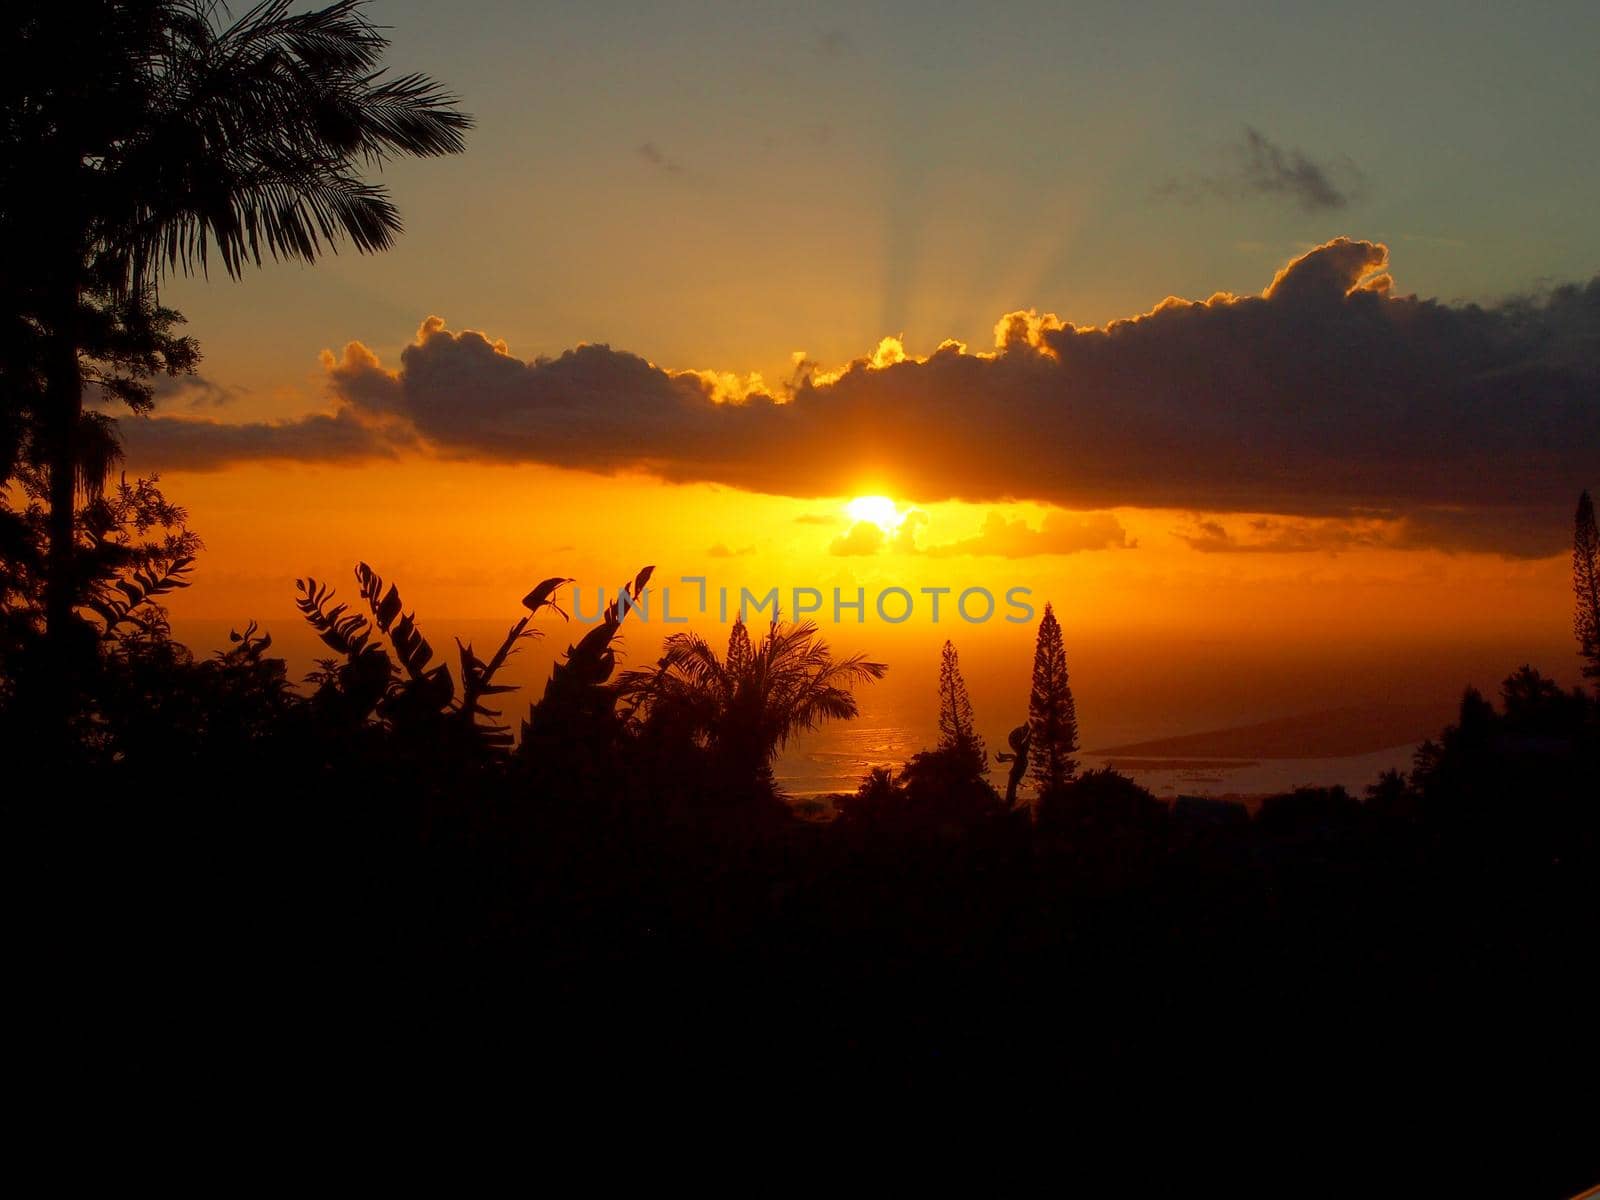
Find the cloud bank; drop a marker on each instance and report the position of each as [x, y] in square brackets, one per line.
[1327, 396]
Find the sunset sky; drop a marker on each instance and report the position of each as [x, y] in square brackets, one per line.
[706, 274]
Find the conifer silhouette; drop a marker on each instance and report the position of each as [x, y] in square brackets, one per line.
[1051, 712]
[957, 735]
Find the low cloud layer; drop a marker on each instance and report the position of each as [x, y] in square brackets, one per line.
[1059, 533]
[172, 444]
[1000, 537]
[1327, 396]
[1256, 166]
[194, 392]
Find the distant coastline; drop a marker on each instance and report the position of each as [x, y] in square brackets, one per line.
[1130, 763]
[1329, 733]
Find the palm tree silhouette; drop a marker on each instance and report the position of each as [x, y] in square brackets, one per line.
[140, 136]
[745, 707]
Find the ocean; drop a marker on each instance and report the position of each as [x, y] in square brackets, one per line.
[898, 717]
[835, 758]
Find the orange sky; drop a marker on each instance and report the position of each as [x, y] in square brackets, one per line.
[1325, 492]
[1161, 637]
[1272, 498]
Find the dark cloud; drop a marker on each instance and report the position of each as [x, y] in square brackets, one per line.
[175, 444]
[652, 154]
[1515, 531]
[817, 519]
[1258, 166]
[1327, 396]
[1510, 531]
[192, 391]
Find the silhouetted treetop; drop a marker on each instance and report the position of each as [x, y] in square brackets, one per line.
[1051, 711]
[745, 705]
[957, 735]
[166, 130]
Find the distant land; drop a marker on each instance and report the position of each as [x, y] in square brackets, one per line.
[1180, 764]
[1330, 733]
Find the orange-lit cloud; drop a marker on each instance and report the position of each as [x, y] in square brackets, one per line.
[1327, 396]
[869, 537]
[1059, 533]
[1269, 535]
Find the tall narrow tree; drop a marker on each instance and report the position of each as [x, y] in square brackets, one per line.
[1052, 715]
[1586, 588]
[957, 735]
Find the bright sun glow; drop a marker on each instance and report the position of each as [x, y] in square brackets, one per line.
[880, 510]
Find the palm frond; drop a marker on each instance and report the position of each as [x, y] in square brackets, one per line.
[749, 704]
[251, 136]
[348, 633]
[409, 645]
[119, 603]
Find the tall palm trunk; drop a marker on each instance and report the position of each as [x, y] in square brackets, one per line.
[63, 414]
[63, 229]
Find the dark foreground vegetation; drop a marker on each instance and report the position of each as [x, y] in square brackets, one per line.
[234, 898]
[370, 874]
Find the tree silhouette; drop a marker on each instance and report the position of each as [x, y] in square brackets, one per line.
[1051, 712]
[1586, 588]
[133, 548]
[126, 341]
[957, 737]
[408, 691]
[569, 737]
[745, 706]
[138, 136]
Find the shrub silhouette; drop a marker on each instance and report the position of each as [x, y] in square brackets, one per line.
[1099, 803]
[133, 548]
[405, 690]
[571, 739]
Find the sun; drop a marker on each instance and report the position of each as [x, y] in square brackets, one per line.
[879, 510]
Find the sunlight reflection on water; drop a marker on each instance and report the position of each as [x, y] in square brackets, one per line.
[834, 759]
